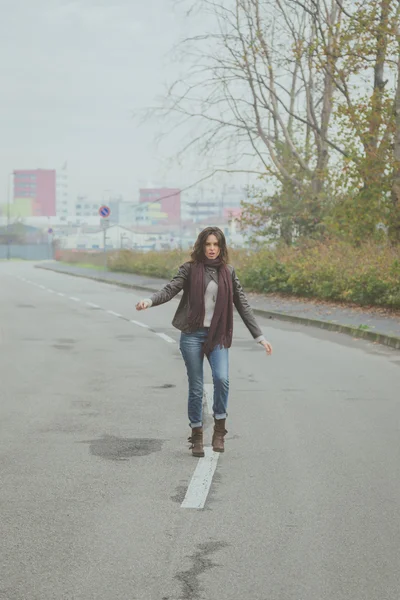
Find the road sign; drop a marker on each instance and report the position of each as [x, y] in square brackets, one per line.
[50, 230]
[104, 212]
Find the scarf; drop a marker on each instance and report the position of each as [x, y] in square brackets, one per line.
[221, 327]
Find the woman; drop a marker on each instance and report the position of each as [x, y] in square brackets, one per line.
[205, 318]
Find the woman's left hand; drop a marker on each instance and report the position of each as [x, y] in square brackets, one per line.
[267, 346]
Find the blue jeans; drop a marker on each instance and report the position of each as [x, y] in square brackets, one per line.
[191, 345]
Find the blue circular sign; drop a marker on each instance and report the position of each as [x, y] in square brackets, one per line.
[50, 230]
[104, 211]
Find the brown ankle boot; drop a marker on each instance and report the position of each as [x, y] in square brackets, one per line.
[196, 440]
[219, 434]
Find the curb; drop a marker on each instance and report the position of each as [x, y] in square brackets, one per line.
[379, 338]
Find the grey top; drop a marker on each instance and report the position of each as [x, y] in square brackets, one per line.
[210, 298]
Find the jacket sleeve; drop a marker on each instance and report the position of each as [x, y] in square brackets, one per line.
[244, 309]
[173, 287]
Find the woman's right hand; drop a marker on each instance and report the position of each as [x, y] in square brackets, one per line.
[142, 305]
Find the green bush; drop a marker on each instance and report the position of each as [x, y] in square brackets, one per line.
[154, 264]
[366, 275]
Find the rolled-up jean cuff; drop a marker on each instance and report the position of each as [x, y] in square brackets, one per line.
[196, 425]
[219, 417]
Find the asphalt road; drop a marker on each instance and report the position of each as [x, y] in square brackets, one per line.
[94, 464]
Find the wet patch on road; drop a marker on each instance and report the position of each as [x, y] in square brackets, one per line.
[180, 493]
[202, 562]
[25, 306]
[164, 386]
[63, 346]
[115, 448]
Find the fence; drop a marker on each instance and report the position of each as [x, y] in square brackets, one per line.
[27, 251]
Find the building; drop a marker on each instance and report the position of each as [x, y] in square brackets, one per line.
[150, 213]
[232, 197]
[115, 238]
[63, 210]
[211, 202]
[39, 187]
[123, 212]
[169, 200]
[86, 208]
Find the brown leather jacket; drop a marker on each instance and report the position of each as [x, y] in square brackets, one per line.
[181, 282]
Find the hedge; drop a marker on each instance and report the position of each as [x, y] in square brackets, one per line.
[336, 271]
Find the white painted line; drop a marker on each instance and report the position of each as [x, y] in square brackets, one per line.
[50, 291]
[209, 397]
[60, 294]
[92, 305]
[42, 287]
[74, 299]
[140, 324]
[200, 483]
[115, 314]
[166, 338]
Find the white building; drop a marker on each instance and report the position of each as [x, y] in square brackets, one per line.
[63, 206]
[86, 208]
[115, 237]
[210, 202]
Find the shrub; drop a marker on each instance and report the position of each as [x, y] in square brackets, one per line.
[366, 275]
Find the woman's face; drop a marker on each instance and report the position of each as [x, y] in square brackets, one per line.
[211, 247]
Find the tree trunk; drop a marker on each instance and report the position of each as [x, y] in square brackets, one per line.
[394, 228]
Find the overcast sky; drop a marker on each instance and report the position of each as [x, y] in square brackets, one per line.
[71, 73]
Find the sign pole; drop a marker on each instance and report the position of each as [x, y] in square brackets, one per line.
[104, 212]
[104, 245]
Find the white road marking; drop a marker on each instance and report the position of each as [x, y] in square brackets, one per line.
[209, 396]
[200, 483]
[140, 324]
[166, 338]
[115, 314]
[163, 336]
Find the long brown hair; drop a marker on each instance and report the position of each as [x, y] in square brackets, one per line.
[198, 255]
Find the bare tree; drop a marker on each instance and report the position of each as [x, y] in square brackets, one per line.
[256, 85]
[287, 88]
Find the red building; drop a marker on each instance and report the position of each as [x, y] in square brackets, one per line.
[40, 186]
[169, 199]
